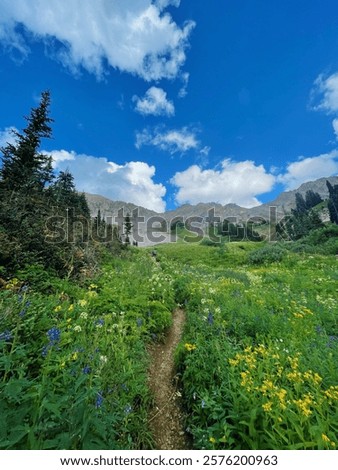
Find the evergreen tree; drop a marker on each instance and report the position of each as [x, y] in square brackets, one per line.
[301, 207]
[312, 199]
[333, 202]
[127, 228]
[23, 168]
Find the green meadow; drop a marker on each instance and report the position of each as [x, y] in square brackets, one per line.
[257, 362]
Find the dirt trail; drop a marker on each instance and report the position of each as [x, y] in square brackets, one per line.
[167, 420]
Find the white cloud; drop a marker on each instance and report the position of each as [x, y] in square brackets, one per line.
[309, 169]
[205, 151]
[235, 182]
[154, 102]
[131, 182]
[172, 141]
[326, 90]
[135, 36]
[335, 126]
[7, 136]
[185, 79]
[161, 4]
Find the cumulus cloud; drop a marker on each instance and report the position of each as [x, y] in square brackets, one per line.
[132, 182]
[172, 141]
[154, 102]
[7, 136]
[135, 36]
[309, 169]
[326, 92]
[234, 182]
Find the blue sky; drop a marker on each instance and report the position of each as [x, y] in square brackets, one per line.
[167, 102]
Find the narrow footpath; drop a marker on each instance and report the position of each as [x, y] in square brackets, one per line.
[167, 420]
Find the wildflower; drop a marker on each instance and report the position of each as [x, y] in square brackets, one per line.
[84, 315]
[45, 350]
[332, 392]
[82, 302]
[104, 359]
[190, 347]
[5, 336]
[325, 438]
[99, 323]
[233, 362]
[77, 328]
[75, 356]
[99, 400]
[92, 286]
[86, 370]
[218, 310]
[212, 440]
[54, 335]
[203, 404]
[128, 409]
[267, 406]
[210, 318]
[303, 405]
[58, 308]
[71, 308]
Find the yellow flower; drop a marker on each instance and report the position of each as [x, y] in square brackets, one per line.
[190, 347]
[212, 440]
[233, 362]
[267, 406]
[325, 438]
[58, 308]
[304, 405]
[82, 302]
[75, 356]
[298, 315]
[332, 392]
[71, 308]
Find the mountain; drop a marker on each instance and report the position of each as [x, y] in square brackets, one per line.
[161, 222]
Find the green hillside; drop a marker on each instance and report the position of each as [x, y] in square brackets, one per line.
[257, 360]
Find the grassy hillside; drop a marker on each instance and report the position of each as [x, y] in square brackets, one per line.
[257, 362]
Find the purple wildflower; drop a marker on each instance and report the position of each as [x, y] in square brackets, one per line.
[210, 318]
[54, 335]
[5, 336]
[99, 400]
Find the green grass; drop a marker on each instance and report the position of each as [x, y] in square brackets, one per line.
[257, 362]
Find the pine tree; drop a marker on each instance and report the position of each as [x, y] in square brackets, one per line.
[333, 202]
[127, 228]
[312, 199]
[300, 204]
[23, 168]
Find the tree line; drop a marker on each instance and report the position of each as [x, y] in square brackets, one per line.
[35, 203]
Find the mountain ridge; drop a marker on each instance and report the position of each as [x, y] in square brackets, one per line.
[283, 203]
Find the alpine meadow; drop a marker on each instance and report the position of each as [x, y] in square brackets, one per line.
[168, 233]
[256, 361]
